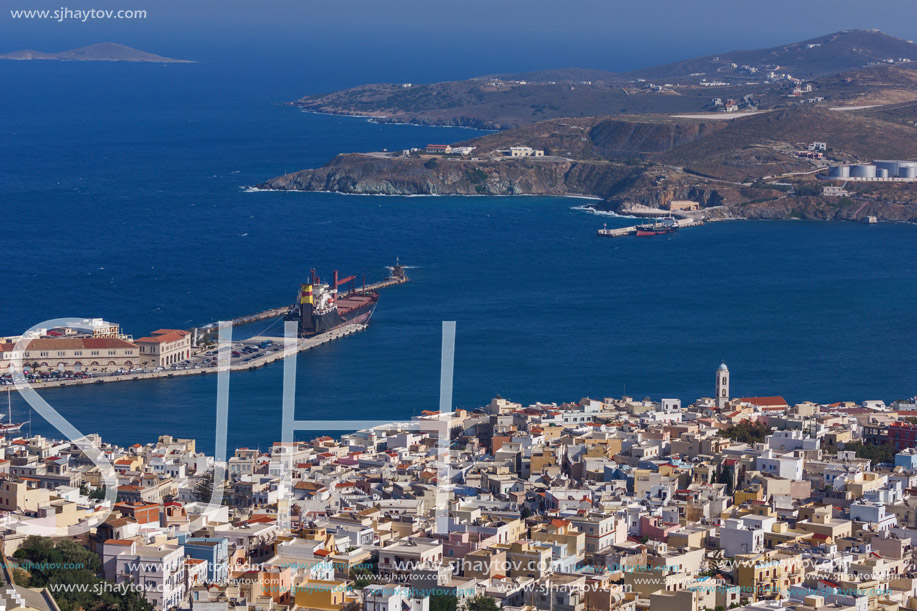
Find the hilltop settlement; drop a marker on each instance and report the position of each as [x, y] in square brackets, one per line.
[618, 504]
[743, 135]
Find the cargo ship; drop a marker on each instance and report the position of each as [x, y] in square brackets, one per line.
[321, 307]
[658, 227]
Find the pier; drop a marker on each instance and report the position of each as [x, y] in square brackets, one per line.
[284, 349]
[280, 311]
[205, 360]
[618, 232]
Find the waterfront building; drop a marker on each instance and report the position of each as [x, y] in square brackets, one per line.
[103, 354]
[164, 347]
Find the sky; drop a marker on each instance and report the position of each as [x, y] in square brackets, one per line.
[463, 38]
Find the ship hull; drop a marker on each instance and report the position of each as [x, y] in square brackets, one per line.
[351, 309]
[647, 232]
[360, 313]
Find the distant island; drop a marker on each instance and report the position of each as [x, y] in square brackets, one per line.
[101, 52]
[745, 134]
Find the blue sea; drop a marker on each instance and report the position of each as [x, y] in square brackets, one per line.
[123, 194]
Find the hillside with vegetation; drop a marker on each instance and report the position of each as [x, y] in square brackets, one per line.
[747, 167]
[631, 143]
[836, 52]
[845, 68]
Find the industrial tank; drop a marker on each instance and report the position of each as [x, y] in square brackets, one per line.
[890, 166]
[839, 171]
[907, 169]
[863, 170]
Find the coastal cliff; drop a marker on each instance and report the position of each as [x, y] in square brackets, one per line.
[619, 186]
[380, 175]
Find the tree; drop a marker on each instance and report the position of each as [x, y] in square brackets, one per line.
[362, 576]
[746, 432]
[714, 562]
[443, 602]
[67, 563]
[203, 491]
[726, 477]
[884, 452]
[483, 603]
[97, 493]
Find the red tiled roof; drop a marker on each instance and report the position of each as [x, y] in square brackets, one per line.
[163, 336]
[76, 343]
[764, 401]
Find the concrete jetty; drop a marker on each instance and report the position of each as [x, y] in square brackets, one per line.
[284, 349]
[281, 310]
[200, 364]
[617, 232]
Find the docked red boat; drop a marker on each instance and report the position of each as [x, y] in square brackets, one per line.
[659, 227]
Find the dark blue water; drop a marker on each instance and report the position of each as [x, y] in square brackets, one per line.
[122, 190]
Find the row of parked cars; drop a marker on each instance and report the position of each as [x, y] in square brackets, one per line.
[46, 376]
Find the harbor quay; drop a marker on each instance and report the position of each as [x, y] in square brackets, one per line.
[95, 351]
[610, 504]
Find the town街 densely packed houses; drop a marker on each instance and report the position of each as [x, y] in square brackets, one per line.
[598, 505]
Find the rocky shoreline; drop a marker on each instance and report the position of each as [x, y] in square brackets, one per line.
[618, 187]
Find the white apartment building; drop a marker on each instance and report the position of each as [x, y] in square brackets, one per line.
[744, 535]
[790, 441]
[159, 570]
[787, 467]
[391, 597]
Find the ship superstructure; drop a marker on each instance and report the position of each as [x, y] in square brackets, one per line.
[321, 307]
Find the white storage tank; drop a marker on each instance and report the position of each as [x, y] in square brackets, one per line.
[839, 171]
[881, 173]
[863, 170]
[907, 169]
[890, 166]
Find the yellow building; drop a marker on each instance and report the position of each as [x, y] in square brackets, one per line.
[17, 496]
[61, 513]
[865, 482]
[754, 492]
[542, 459]
[319, 594]
[527, 559]
[769, 574]
[823, 526]
[560, 532]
